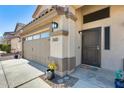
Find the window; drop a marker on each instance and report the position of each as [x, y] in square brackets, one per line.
[37, 36]
[100, 14]
[29, 38]
[26, 38]
[45, 35]
[107, 38]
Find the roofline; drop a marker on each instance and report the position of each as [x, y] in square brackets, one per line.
[17, 26]
[70, 15]
[36, 11]
[8, 33]
[76, 6]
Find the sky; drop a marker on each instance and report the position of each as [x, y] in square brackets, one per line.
[12, 14]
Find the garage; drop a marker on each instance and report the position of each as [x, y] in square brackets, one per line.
[37, 48]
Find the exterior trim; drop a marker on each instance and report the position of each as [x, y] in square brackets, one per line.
[36, 11]
[56, 33]
[42, 20]
[65, 11]
[38, 30]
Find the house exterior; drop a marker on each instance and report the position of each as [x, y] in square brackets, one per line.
[16, 43]
[13, 38]
[7, 37]
[1, 40]
[74, 35]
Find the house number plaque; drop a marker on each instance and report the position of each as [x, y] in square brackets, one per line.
[55, 39]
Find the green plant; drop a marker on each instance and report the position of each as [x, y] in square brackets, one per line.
[0, 46]
[5, 47]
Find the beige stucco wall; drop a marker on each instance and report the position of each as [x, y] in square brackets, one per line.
[110, 59]
[16, 45]
[65, 46]
[74, 38]
[59, 48]
[56, 49]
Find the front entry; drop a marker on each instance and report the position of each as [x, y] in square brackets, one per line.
[91, 46]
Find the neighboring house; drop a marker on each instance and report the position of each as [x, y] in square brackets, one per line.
[7, 37]
[74, 35]
[14, 39]
[1, 40]
[16, 43]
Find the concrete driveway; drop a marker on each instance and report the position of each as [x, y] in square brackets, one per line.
[21, 73]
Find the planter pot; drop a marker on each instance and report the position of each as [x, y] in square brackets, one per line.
[119, 83]
[16, 56]
[50, 74]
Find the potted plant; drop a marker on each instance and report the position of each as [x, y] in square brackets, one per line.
[119, 80]
[16, 55]
[50, 71]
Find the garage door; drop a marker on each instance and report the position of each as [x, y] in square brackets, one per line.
[37, 50]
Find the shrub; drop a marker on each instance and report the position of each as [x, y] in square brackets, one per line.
[0, 46]
[5, 47]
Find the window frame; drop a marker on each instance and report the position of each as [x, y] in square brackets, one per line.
[107, 30]
[96, 15]
[45, 33]
[31, 38]
[36, 36]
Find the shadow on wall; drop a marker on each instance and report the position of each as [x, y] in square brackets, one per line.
[38, 66]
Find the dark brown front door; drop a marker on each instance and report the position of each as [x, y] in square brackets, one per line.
[91, 46]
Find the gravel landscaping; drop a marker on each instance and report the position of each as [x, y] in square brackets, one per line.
[60, 82]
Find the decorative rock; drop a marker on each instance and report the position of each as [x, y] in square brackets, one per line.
[66, 78]
[60, 81]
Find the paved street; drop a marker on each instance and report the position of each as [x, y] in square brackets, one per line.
[21, 73]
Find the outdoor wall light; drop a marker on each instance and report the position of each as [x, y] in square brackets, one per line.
[54, 25]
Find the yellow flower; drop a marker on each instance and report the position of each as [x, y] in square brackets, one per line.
[52, 66]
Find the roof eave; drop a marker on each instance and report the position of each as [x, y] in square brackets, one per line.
[36, 11]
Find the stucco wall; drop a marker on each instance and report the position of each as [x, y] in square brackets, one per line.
[110, 59]
[16, 45]
[64, 47]
[59, 48]
[56, 47]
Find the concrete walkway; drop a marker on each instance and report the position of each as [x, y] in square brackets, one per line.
[91, 77]
[21, 73]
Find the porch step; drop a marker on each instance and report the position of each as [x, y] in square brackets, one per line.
[89, 67]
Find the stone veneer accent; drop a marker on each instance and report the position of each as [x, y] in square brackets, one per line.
[64, 64]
